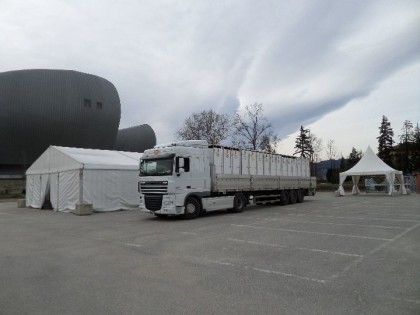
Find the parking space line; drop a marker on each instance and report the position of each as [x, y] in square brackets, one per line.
[131, 244]
[399, 299]
[289, 275]
[357, 218]
[329, 223]
[189, 233]
[5, 213]
[285, 274]
[397, 214]
[310, 232]
[378, 248]
[298, 248]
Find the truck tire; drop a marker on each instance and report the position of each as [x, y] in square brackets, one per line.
[292, 196]
[192, 208]
[239, 203]
[300, 196]
[284, 197]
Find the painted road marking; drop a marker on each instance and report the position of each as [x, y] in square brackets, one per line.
[357, 218]
[280, 273]
[298, 248]
[310, 232]
[329, 223]
[359, 260]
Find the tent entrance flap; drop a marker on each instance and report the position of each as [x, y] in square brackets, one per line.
[37, 190]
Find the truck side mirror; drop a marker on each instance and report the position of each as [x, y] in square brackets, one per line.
[180, 171]
[181, 162]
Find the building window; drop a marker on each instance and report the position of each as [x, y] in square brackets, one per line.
[88, 103]
[98, 105]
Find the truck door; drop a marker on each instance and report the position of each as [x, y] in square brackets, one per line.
[194, 178]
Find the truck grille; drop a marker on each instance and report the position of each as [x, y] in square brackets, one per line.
[153, 202]
[154, 187]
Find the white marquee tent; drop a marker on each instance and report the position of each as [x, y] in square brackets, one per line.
[106, 179]
[371, 164]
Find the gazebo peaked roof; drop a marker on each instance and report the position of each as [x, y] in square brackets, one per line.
[371, 164]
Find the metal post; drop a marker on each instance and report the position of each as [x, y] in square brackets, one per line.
[81, 186]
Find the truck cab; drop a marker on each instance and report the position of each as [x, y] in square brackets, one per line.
[171, 174]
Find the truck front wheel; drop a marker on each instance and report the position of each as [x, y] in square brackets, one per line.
[239, 203]
[192, 208]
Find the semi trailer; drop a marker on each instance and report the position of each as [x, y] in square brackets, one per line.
[188, 178]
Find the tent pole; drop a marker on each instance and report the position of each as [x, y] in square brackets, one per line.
[81, 186]
[58, 191]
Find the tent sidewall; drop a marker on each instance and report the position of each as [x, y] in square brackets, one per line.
[390, 177]
[106, 179]
[110, 190]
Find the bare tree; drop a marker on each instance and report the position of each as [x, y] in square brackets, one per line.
[317, 147]
[331, 151]
[252, 130]
[268, 144]
[207, 125]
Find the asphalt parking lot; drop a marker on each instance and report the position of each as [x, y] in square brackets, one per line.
[329, 255]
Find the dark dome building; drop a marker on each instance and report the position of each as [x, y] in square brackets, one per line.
[39, 108]
[135, 139]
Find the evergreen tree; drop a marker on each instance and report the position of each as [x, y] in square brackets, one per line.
[385, 140]
[354, 157]
[406, 141]
[303, 144]
[416, 149]
[343, 164]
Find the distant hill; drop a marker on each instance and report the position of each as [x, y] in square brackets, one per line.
[323, 166]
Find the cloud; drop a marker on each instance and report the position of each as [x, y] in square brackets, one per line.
[302, 59]
[332, 63]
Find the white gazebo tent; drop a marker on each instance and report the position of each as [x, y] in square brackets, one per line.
[106, 179]
[371, 164]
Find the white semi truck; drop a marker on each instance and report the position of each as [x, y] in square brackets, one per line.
[188, 178]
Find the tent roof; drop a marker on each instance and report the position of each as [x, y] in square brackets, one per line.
[370, 164]
[59, 159]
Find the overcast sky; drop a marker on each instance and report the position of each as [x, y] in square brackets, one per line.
[332, 66]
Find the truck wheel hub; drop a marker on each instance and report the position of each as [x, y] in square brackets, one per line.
[190, 208]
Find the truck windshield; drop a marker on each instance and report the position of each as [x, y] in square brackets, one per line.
[156, 167]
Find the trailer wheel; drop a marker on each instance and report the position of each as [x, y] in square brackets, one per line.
[192, 208]
[300, 196]
[239, 203]
[292, 196]
[284, 197]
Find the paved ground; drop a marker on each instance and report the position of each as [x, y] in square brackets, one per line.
[329, 255]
